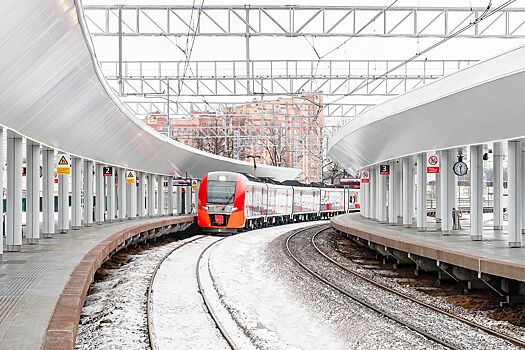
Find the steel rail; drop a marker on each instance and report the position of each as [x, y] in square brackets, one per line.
[490, 331]
[356, 298]
[151, 336]
[206, 301]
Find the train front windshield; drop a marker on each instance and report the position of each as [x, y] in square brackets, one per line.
[220, 192]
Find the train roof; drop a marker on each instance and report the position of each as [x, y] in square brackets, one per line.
[296, 183]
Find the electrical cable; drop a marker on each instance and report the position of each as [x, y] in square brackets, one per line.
[486, 14]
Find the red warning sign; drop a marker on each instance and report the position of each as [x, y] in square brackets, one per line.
[432, 164]
[365, 177]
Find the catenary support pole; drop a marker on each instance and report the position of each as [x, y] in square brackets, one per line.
[498, 185]
[421, 177]
[32, 192]
[99, 193]
[476, 192]
[76, 193]
[48, 192]
[14, 192]
[515, 194]
[88, 192]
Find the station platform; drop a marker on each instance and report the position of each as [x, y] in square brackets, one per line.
[490, 256]
[43, 287]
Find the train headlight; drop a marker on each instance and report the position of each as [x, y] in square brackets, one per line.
[222, 178]
[205, 207]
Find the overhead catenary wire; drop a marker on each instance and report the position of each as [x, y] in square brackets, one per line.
[486, 14]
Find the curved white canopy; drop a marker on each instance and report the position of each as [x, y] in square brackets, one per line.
[52, 92]
[482, 103]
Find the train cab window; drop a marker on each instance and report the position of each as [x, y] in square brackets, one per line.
[220, 192]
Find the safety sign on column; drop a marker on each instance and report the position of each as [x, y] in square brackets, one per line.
[365, 177]
[432, 163]
[130, 177]
[63, 164]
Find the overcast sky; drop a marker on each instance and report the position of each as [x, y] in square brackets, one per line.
[233, 48]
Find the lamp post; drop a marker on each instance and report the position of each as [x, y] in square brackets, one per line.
[254, 163]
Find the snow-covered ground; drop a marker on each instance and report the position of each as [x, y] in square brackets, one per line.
[279, 306]
[179, 318]
[114, 315]
[260, 296]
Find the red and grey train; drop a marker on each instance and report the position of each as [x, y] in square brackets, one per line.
[231, 202]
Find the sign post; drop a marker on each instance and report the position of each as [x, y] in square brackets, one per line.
[432, 163]
[63, 164]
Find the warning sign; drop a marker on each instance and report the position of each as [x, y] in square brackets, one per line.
[130, 177]
[63, 164]
[365, 177]
[432, 164]
[194, 184]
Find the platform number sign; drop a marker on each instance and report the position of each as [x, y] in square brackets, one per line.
[365, 177]
[63, 164]
[432, 164]
[384, 169]
[107, 171]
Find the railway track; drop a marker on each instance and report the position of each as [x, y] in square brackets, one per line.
[151, 335]
[382, 312]
[206, 300]
[202, 292]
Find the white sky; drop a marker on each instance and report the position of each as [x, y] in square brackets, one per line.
[233, 48]
[291, 48]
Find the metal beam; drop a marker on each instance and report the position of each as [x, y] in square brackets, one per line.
[275, 77]
[141, 108]
[298, 20]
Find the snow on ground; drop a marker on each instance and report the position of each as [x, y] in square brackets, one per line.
[264, 308]
[114, 314]
[179, 318]
[279, 306]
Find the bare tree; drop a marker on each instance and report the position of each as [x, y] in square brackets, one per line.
[333, 172]
[278, 151]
